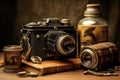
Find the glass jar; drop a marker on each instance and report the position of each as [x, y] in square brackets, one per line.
[92, 28]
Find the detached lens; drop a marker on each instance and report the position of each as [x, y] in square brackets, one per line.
[89, 59]
[86, 59]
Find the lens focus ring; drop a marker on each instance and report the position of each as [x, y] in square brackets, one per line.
[65, 44]
[60, 42]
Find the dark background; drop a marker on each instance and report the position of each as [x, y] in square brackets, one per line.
[14, 14]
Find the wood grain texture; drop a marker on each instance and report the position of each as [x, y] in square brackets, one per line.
[70, 75]
[53, 66]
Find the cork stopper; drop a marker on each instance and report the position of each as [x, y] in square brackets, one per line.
[92, 10]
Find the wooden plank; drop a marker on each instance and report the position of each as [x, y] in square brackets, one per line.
[52, 66]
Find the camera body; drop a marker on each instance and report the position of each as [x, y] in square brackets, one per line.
[50, 39]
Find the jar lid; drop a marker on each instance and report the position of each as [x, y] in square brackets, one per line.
[92, 10]
[12, 48]
[92, 5]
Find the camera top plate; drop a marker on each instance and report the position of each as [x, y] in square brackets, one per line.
[48, 24]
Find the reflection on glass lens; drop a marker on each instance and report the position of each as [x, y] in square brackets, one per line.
[68, 44]
[86, 58]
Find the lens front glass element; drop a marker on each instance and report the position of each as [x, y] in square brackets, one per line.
[66, 44]
[86, 59]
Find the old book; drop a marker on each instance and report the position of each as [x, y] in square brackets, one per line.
[52, 66]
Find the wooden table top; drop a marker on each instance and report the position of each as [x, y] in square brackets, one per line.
[69, 75]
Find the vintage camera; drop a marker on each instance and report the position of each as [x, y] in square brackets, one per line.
[51, 38]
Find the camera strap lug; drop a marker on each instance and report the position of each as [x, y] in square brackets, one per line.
[36, 59]
[55, 27]
[25, 57]
[26, 38]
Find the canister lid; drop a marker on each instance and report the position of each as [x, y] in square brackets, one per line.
[12, 48]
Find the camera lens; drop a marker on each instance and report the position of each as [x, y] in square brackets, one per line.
[88, 58]
[65, 44]
[60, 42]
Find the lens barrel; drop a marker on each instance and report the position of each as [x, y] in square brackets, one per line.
[61, 42]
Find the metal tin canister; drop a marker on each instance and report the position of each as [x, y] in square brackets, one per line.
[12, 58]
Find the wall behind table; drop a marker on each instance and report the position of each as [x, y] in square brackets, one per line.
[25, 11]
[7, 20]
[35, 10]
